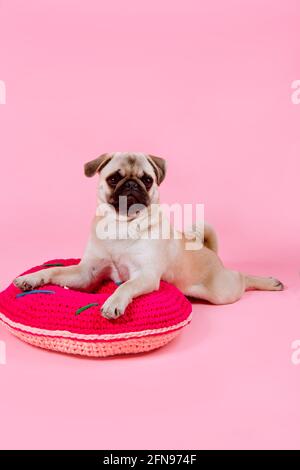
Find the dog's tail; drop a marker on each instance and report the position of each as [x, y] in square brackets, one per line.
[210, 238]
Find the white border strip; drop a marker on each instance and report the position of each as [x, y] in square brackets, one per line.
[108, 337]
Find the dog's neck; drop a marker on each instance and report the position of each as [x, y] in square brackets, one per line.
[112, 225]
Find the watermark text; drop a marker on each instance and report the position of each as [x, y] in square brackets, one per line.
[295, 97]
[295, 358]
[2, 92]
[154, 222]
[2, 353]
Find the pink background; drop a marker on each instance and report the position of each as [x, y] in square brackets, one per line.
[206, 84]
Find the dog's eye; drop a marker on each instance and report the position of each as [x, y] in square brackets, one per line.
[113, 180]
[147, 180]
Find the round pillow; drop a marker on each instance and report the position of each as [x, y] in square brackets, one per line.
[70, 321]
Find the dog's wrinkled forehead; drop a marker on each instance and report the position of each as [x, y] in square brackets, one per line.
[130, 164]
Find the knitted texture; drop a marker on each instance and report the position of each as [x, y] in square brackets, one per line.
[70, 321]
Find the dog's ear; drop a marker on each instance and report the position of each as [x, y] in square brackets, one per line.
[95, 166]
[159, 166]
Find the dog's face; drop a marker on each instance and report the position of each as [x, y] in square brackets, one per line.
[128, 180]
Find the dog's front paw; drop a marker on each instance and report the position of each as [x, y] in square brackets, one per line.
[28, 282]
[113, 308]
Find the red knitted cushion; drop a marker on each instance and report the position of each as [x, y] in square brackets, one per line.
[70, 321]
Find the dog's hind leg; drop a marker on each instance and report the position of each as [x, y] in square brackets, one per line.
[228, 286]
[262, 283]
[225, 287]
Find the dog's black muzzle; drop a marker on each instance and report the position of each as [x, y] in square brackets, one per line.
[129, 193]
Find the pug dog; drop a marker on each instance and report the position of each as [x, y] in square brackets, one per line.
[129, 189]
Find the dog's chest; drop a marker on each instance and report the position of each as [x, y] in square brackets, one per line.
[119, 272]
[121, 260]
[127, 258]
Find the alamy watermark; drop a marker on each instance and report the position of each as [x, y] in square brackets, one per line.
[2, 92]
[295, 97]
[2, 343]
[2, 353]
[295, 358]
[154, 222]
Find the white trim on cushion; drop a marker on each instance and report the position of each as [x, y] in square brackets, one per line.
[106, 337]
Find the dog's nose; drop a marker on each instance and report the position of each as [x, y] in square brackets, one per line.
[130, 184]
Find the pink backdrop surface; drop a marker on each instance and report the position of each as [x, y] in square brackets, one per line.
[207, 85]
